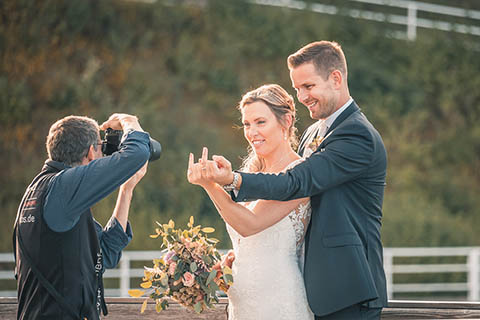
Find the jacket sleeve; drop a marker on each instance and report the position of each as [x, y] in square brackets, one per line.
[343, 156]
[113, 240]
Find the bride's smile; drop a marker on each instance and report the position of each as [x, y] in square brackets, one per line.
[264, 132]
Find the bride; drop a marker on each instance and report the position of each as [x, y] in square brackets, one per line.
[267, 236]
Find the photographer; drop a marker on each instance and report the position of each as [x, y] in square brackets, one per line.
[61, 251]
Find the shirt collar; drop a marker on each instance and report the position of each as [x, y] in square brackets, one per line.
[329, 121]
[51, 165]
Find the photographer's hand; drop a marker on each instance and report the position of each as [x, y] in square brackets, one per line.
[122, 121]
[125, 197]
[131, 183]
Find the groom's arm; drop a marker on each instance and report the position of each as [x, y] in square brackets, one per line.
[347, 154]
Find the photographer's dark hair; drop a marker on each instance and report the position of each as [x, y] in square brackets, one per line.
[70, 138]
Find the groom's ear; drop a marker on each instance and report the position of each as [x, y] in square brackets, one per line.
[337, 79]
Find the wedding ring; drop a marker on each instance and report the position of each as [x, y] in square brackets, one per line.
[204, 168]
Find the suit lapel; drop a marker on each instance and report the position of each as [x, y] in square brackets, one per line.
[353, 107]
[312, 131]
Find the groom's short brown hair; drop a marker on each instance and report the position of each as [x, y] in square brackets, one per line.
[326, 56]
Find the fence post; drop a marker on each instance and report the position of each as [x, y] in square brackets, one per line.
[412, 21]
[124, 275]
[473, 274]
[388, 267]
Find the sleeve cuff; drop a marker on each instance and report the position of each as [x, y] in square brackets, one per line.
[113, 233]
[239, 195]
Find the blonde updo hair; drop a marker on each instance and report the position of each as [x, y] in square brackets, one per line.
[281, 104]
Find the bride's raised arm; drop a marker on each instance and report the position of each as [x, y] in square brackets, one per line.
[246, 222]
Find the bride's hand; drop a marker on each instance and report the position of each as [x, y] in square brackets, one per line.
[228, 259]
[197, 173]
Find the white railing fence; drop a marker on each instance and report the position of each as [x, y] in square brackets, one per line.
[397, 261]
[469, 24]
[469, 268]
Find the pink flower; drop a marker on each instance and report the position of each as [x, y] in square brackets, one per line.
[187, 242]
[169, 255]
[188, 279]
[171, 268]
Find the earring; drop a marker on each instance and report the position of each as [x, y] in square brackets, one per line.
[285, 135]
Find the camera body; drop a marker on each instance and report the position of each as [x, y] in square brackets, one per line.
[112, 140]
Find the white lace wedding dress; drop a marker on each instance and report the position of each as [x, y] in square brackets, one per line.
[267, 271]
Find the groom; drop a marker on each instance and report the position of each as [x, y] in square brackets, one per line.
[344, 174]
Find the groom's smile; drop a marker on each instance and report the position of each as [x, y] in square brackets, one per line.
[319, 95]
[257, 142]
[311, 105]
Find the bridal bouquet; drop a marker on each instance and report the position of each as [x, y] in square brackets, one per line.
[189, 270]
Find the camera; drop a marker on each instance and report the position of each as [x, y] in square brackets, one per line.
[112, 140]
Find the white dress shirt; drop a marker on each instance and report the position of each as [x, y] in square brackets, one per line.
[323, 125]
[331, 119]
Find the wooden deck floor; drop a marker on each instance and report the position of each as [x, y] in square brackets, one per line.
[129, 308]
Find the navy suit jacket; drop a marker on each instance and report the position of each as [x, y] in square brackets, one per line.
[345, 178]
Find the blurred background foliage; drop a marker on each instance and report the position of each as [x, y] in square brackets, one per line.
[182, 68]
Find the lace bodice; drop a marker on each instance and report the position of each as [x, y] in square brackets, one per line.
[267, 270]
[300, 218]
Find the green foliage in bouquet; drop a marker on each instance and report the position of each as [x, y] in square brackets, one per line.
[189, 271]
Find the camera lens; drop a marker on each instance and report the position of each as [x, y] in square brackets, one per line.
[155, 150]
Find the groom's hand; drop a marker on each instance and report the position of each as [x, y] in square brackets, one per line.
[218, 170]
[224, 164]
